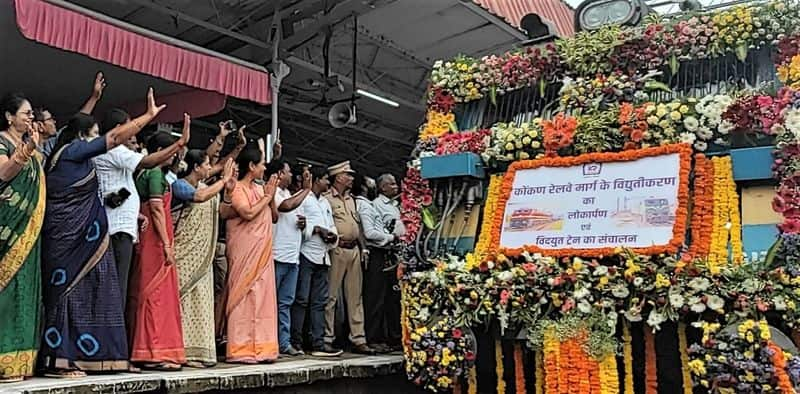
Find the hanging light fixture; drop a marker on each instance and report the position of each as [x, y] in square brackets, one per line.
[594, 14]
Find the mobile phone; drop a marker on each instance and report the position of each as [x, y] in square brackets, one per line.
[230, 125]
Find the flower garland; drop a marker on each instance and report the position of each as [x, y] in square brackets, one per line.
[519, 370]
[552, 357]
[609, 376]
[539, 361]
[472, 381]
[779, 361]
[702, 210]
[498, 358]
[490, 210]
[417, 196]
[726, 223]
[650, 371]
[681, 212]
[627, 358]
[683, 348]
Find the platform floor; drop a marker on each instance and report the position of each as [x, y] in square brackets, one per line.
[223, 377]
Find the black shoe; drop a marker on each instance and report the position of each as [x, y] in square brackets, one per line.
[363, 349]
[381, 348]
[292, 352]
[327, 351]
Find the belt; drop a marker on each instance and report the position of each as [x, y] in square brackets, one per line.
[347, 244]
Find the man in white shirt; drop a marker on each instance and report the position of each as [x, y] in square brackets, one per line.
[381, 294]
[286, 241]
[378, 239]
[115, 170]
[319, 237]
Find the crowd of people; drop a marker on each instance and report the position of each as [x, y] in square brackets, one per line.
[121, 257]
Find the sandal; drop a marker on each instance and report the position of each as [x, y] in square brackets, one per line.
[163, 367]
[12, 379]
[134, 369]
[196, 364]
[65, 374]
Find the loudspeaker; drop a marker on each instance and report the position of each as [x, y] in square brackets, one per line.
[342, 114]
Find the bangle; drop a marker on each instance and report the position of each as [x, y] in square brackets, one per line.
[227, 202]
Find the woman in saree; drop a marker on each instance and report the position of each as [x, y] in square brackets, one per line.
[154, 308]
[252, 323]
[84, 326]
[22, 207]
[195, 210]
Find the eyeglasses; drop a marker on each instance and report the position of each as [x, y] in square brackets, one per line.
[50, 119]
[26, 113]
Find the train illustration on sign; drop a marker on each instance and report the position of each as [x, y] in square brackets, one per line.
[523, 219]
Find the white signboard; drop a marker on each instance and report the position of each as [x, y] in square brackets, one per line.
[594, 205]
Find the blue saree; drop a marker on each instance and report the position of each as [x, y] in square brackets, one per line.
[84, 322]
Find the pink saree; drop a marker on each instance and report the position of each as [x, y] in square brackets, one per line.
[252, 301]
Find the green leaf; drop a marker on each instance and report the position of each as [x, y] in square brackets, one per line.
[454, 127]
[656, 85]
[741, 52]
[493, 95]
[428, 219]
[542, 87]
[773, 250]
[674, 64]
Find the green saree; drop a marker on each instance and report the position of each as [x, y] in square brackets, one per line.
[22, 203]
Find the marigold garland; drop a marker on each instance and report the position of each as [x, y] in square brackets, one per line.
[651, 374]
[627, 356]
[498, 357]
[681, 213]
[779, 361]
[551, 357]
[702, 210]
[539, 361]
[472, 381]
[519, 370]
[609, 376]
[405, 332]
[489, 212]
[726, 224]
[683, 347]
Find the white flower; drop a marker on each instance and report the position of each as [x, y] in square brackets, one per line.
[688, 138]
[725, 127]
[699, 284]
[505, 276]
[715, 302]
[700, 146]
[601, 270]
[704, 133]
[634, 314]
[611, 319]
[581, 293]
[655, 319]
[584, 307]
[780, 303]
[691, 123]
[638, 281]
[620, 291]
[696, 305]
[676, 300]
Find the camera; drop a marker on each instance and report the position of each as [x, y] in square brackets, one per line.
[116, 199]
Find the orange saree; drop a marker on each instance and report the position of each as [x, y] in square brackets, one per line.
[252, 302]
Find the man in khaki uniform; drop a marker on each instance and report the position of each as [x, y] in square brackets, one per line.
[345, 269]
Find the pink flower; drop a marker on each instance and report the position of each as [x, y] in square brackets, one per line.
[504, 297]
[791, 226]
[778, 204]
[568, 304]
